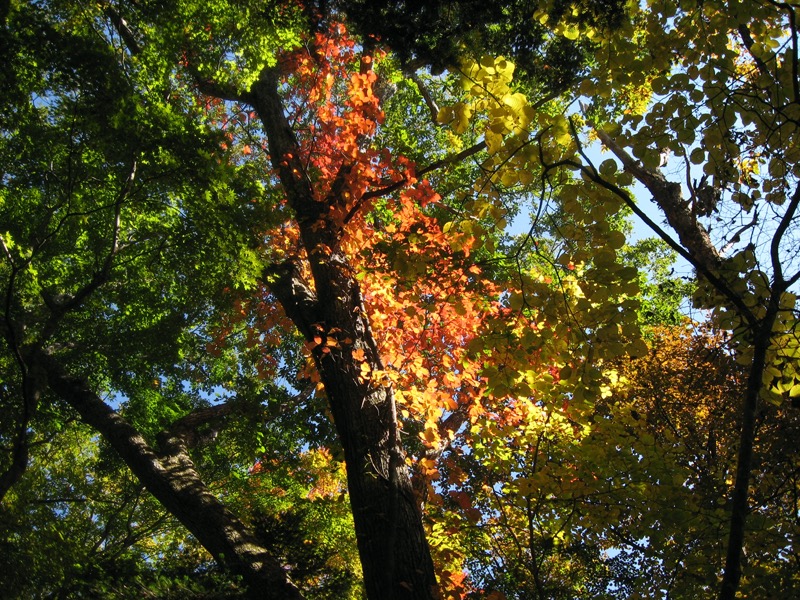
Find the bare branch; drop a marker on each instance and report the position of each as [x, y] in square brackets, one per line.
[669, 198]
[786, 220]
[738, 235]
[426, 95]
[124, 31]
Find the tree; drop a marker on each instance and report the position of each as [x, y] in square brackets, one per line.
[306, 259]
[717, 89]
[139, 221]
[635, 501]
[734, 220]
[105, 223]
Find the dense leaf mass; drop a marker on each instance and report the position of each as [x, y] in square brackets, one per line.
[343, 300]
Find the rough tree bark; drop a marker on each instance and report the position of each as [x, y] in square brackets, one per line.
[391, 538]
[173, 480]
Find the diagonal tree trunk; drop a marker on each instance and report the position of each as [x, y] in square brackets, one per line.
[173, 480]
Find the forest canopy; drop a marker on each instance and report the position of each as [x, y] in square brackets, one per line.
[412, 300]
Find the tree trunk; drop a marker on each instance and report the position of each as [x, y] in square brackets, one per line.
[391, 538]
[732, 572]
[697, 248]
[175, 483]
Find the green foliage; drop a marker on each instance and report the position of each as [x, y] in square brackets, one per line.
[300, 535]
[124, 230]
[78, 525]
[664, 294]
[139, 209]
[298, 504]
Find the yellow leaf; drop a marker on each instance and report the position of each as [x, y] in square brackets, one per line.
[516, 102]
[462, 113]
[571, 32]
[445, 115]
[616, 239]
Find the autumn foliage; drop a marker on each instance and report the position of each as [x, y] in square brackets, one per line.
[426, 303]
[366, 327]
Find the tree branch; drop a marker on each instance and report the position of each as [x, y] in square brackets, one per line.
[748, 42]
[175, 483]
[762, 337]
[669, 198]
[299, 302]
[32, 383]
[32, 387]
[215, 89]
[786, 220]
[124, 31]
[718, 283]
[792, 16]
[453, 158]
[737, 236]
[426, 95]
[186, 427]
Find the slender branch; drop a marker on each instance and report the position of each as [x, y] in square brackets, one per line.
[68, 500]
[748, 42]
[124, 31]
[690, 256]
[737, 236]
[377, 193]
[716, 281]
[792, 280]
[775, 256]
[383, 191]
[453, 158]
[426, 95]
